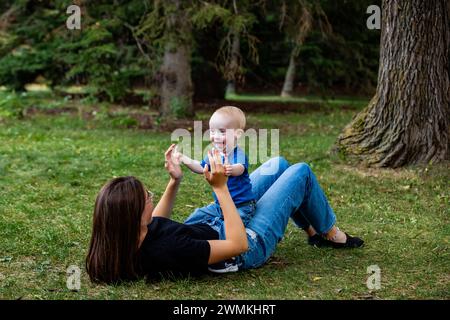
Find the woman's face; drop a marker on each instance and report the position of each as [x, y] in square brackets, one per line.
[148, 209]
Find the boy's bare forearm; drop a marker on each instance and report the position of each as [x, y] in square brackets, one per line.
[193, 165]
[237, 169]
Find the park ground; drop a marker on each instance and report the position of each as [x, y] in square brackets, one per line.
[55, 156]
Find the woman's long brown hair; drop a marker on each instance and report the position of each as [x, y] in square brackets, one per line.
[113, 251]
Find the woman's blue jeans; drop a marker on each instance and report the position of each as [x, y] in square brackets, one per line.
[289, 192]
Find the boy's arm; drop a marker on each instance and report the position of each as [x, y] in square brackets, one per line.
[193, 165]
[234, 169]
[239, 167]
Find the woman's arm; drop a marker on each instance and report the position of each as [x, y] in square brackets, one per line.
[235, 234]
[165, 204]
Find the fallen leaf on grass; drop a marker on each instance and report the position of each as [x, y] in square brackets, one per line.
[317, 278]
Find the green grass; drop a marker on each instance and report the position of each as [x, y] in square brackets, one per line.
[310, 99]
[51, 168]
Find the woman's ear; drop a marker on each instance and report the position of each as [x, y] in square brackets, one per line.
[147, 215]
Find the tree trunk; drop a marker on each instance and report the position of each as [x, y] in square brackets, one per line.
[231, 88]
[6, 17]
[177, 88]
[288, 86]
[233, 66]
[407, 121]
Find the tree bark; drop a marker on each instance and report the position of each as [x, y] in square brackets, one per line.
[233, 66]
[177, 88]
[407, 120]
[6, 17]
[288, 86]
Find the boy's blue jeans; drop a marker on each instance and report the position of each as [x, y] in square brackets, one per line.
[212, 215]
[291, 192]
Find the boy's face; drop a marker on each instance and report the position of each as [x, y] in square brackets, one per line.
[223, 133]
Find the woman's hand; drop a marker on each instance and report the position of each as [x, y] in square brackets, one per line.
[216, 177]
[172, 164]
[177, 156]
[165, 204]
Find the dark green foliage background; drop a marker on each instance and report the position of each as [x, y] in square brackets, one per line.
[104, 54]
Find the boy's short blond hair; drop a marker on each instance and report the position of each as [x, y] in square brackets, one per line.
[237, 114]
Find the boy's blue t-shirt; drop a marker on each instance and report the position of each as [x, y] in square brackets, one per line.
[240, 187]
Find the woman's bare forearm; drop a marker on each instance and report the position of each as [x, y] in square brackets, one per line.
[234, 228]
[165, 204]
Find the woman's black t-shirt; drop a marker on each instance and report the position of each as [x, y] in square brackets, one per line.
[174, 248]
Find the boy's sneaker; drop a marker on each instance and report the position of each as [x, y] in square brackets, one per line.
[226, 266]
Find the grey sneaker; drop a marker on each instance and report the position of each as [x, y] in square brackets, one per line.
[226, 266]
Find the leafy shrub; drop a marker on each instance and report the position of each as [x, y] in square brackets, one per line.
[102, 55]
[123, 121]
[14, 105]
[178, 107]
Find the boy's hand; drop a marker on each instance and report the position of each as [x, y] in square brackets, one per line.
[227, 166]
[228, 169]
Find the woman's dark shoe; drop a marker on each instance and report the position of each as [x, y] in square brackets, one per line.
[351, 242]
[317, 241]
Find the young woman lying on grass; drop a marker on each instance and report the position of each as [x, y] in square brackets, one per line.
[132, 238]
